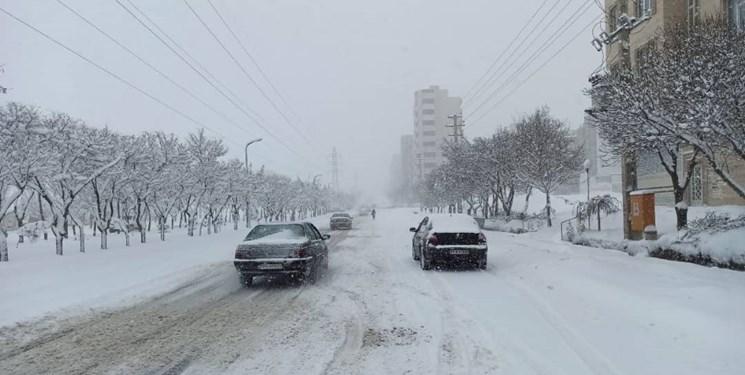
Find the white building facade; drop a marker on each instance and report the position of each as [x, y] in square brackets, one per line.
[432, 107]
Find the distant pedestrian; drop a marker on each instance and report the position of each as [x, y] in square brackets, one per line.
[373, 213]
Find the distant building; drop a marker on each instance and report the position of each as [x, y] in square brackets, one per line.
[432, 106]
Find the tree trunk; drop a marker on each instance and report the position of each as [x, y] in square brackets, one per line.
[3, 246]
[126, 239]
[681, 213]
[104, 240]
[162, 227]
[58, 243]
[548, 209]
[82, 238]
[599, 229]
[527, 199]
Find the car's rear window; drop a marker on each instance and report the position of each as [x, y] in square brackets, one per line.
[289, 231]
[340, 215]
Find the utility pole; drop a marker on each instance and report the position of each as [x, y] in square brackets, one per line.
[457, 126]
[335, 169]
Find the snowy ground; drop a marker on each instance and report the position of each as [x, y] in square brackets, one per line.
[542, 307]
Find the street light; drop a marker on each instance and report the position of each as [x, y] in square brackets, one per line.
[248, 175]
[586, 164]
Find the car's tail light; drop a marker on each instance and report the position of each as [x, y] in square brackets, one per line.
[432, 240]
[482, 238]
[301, 252]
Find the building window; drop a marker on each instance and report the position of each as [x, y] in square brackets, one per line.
[692, 12]
[430, 154]
[428, 100]
[697, 186]
[645, 7]
[737, 13]
[430, 165]
[428, 122]
[429, 133]
[644, 55]
[427, 91]
[428, 111]
[429, 144]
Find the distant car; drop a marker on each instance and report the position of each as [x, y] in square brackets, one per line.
[449, 239]
[295, 249]
[364, 211]
[341, 220]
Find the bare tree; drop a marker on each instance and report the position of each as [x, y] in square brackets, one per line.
[689, 92]
[22, 134]
[550, 156]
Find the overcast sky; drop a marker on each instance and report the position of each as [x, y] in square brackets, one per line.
[347, 69]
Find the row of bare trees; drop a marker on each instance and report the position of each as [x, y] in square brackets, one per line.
[536, 152]
[59, 174]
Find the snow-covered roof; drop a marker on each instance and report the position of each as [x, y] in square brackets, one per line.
[453, 223]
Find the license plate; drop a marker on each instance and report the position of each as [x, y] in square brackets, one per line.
[271, 266]
[459, 252]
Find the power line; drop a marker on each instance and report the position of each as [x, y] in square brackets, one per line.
[112, 74]
[193, 60]
[250, 56]
[477, 84]
[505, 63]
[153, 68]
[240, 66]
[563, 28]
[535, 71]
[279, 140]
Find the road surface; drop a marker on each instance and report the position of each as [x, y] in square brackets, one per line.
[538, 309]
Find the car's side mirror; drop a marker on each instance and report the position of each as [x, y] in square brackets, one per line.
[326, 237]
[412, 229]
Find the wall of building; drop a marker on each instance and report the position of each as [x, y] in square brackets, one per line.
[432, 106]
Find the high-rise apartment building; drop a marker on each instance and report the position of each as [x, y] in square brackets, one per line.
[432, 106]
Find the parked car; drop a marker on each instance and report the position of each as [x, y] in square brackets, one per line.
[341, 220]
[448, 239]
[295, 249]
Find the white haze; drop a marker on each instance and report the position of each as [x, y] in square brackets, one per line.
[348, 70]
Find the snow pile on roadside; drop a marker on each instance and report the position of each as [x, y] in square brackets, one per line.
[713, 240]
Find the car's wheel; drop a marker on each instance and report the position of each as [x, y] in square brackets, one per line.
[481, 264]
[246, 280]
[311, 275]
[425, 263]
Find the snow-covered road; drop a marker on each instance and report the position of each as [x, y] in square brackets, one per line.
[542, 307]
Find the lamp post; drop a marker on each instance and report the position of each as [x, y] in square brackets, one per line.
[586, 164]
[248, 176]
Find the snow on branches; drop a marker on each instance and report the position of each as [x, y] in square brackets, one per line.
[76, 176]
[689, 93]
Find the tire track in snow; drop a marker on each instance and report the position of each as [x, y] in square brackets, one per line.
[593, 359]
[458, 352]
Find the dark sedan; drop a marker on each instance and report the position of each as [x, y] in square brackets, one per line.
[448, 239]
[295, 249]
[341, 220]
